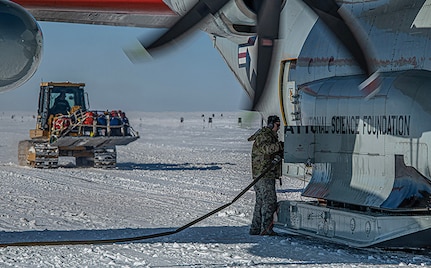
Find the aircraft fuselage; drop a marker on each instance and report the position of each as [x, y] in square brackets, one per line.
[369, 142]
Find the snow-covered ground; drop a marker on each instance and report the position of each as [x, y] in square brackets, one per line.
[175, 173]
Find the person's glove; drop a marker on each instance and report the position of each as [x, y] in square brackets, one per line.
[276, 159]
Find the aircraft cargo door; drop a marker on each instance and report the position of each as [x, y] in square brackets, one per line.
[289, 96]
[299, 141]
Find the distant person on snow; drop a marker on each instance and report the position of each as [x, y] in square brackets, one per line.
[265, 147]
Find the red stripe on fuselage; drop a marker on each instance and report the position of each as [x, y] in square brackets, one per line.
[129, 6]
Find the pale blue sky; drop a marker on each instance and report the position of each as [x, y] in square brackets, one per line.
[190, 77]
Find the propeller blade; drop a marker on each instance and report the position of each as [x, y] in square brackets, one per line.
[268, 20]
[328, 12]
[198, 12]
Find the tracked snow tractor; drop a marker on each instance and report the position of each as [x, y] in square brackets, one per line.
[65, 127]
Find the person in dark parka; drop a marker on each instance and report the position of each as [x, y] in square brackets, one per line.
[265, 147]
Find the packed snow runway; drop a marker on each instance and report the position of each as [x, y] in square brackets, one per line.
[175, 173]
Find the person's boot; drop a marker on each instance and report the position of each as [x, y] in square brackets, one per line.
[269, 233]
[254, 232]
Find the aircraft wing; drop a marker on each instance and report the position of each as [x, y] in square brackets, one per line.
[134, 13]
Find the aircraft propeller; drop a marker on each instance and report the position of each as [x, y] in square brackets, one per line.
[268, 19]
[193, 17]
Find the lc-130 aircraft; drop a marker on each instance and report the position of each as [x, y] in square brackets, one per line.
[350, 79]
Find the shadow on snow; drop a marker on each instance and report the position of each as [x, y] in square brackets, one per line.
[281, 247]
[169, 166]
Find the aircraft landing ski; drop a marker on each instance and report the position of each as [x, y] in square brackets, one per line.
[370, 228]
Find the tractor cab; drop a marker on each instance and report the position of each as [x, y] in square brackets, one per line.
[56, 99]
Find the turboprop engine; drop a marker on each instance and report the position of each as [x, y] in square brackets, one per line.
[20, 45]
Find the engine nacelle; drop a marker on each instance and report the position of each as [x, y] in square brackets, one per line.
[20, 45]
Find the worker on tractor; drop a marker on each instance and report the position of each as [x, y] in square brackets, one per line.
[61, 105]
